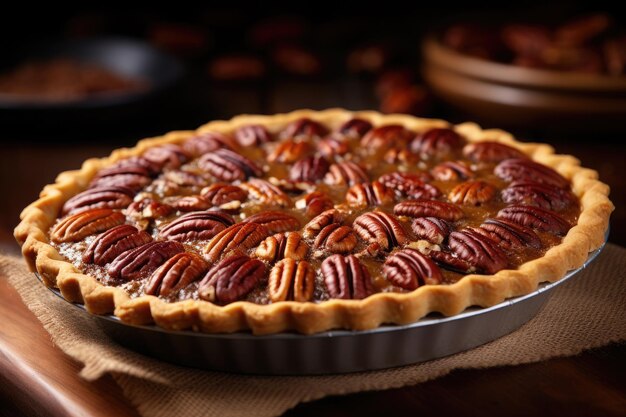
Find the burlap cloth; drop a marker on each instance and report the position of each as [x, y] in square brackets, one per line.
[586, 312]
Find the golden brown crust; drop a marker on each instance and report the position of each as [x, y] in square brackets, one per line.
[482, 290]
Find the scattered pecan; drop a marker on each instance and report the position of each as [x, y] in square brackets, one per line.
[345, 173]
[408, 269]
[410, 185]
[431, 229]
[219, 194]
[282, 245]
[479, 252]
[370, 194]
[191, 203]
[510, 235]
[536, 194]
[89, 222]
[385, 137]
[207, 142]
[99, 197]
[147, 208]
[332, 146]
[252, 135]
[266, 193]
[231, 279]
[336, 238]
[491, 152]
[274, 221]
[355, 128]
[517, 169]
[535, 218]
[201, 225]
[186, 178]
[429, 208]
[472, 193]
[315, 203]
[226, 165]
[166, 156]
[143, 260]
[291, 280]
[289, 151]
[311, 169]
[346, 278]
[240, 236]
[451, 171]
[381, 228]
[436, 143]
[112, 243]
[304, 127]
[176, 273]
[313, 227]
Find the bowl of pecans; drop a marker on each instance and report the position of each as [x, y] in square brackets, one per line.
[563, 77]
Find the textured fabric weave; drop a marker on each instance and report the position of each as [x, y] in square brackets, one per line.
[586, 312]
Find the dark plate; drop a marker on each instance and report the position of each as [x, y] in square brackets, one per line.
[336, 351]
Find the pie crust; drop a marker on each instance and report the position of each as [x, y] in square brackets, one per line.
[305, 317]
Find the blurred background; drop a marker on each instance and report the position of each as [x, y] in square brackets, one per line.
[79, 83]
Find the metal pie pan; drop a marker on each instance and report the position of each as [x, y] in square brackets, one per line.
[336, 351]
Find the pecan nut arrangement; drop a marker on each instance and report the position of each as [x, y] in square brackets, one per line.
[302, 222]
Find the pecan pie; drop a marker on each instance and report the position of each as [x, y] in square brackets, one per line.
[311, 221]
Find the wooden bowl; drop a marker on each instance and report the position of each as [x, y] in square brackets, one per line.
[513, 96]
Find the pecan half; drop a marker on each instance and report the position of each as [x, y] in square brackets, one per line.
[166, 156]
[491, 152]
[201, 225]
[472, 193]
[112, 243]
[99, 197]
[226, 165]
[381, 228]
[536, 194]
[146, 208]
[345, 173]
[89, 222]
[510, 235]
[231, 279]
[332, 146]
[451, 171]
[291, 280]
[429, 208]
[311, 169]
[315, 203]
[252, 135]
[313, 227]
[529, 171]
[207, 142]
[355, 128]
[191, 203]
[176, 273]
[336, 238]
[346, 278]
[535, 218]
[408, 269]
[274, 221]
[431, 229]
[289, 151]
[143, 260]
[219, 194]
[410, 185]
[282, 245]
[134, 177]
[372, 194]
[385, 137]
[479, 252]
[436, 143]
[240, 236]
[136, 164]
[303, 127]
[266, 193]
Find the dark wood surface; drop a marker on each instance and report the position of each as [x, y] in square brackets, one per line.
[38, 379]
